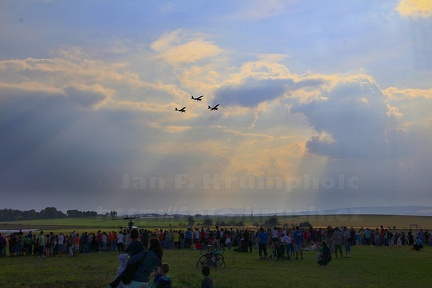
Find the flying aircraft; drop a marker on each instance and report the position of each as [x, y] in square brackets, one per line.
[182, 110]
[197, 98]
[213, 108]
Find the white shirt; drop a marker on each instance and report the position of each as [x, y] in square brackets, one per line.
[60, 239]
[286, 240]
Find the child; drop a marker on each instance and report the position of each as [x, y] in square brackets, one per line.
[123, 259]
[207, 282]
[161, 279]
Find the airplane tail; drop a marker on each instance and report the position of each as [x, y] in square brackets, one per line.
[209, 107]
[176, 109]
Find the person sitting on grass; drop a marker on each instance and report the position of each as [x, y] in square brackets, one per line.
[207, 282]
[324, 255]
[160, 277]
[418, 244]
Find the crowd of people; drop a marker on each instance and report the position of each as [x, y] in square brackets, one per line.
[143, 248]
[297, 239]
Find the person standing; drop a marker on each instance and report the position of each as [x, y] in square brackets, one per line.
[347, 242]
[60, 243]
[120, 246]
[286, 241]
[367, 236]
[2, 246]
[337, 239]
[41, 245]
[262, 244]
[298, 242]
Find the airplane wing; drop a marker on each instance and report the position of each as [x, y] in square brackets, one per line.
[216, 106]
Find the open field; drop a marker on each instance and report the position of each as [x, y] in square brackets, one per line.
[106, 223]
[368, 267]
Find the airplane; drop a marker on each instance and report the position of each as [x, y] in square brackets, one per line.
[197, 98]
[213, 108]
[182, 110]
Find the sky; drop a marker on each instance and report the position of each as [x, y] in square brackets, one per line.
[322, 105]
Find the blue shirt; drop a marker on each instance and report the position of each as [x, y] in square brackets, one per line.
[298, 236]
[262, 236]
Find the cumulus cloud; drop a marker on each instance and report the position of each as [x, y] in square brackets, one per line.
[415, 8]
[353, 121]
[177, 47]
[258, 82]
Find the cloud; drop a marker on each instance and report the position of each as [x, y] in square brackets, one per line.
[415, 8]
[258, 82]
[177, 48]
[353, 121]
[397, 93]
[414, 105]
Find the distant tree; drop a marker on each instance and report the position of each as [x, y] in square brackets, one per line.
[208, 222]
[272, 221]
[304, 224]
[113, 214]
[29, 215]
[51, 213]
[191, 221]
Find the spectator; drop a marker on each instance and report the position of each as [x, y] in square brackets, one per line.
[324, 255]
[418, 244]
[161, 279]
[262, 243]
[207, 282]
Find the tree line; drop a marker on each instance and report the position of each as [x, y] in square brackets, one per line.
[47, 213]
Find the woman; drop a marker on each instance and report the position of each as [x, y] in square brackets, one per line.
[143, 264]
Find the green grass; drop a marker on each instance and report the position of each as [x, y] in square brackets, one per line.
[102, 222]
[368, 267]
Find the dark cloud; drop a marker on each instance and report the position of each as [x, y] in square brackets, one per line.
[354, 115]
[52, 142]
[253, 91]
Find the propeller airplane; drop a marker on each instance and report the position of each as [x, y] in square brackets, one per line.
[213, 108]
[197, 98]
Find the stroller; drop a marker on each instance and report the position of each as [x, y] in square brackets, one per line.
[279, 251]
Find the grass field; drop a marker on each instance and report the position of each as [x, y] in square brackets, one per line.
[368, 267]
[106, 223]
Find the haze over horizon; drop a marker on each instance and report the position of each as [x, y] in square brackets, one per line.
[323, 105]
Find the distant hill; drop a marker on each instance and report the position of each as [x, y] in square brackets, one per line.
[378, 210]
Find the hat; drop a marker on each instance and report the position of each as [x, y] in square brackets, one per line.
[123, 258]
